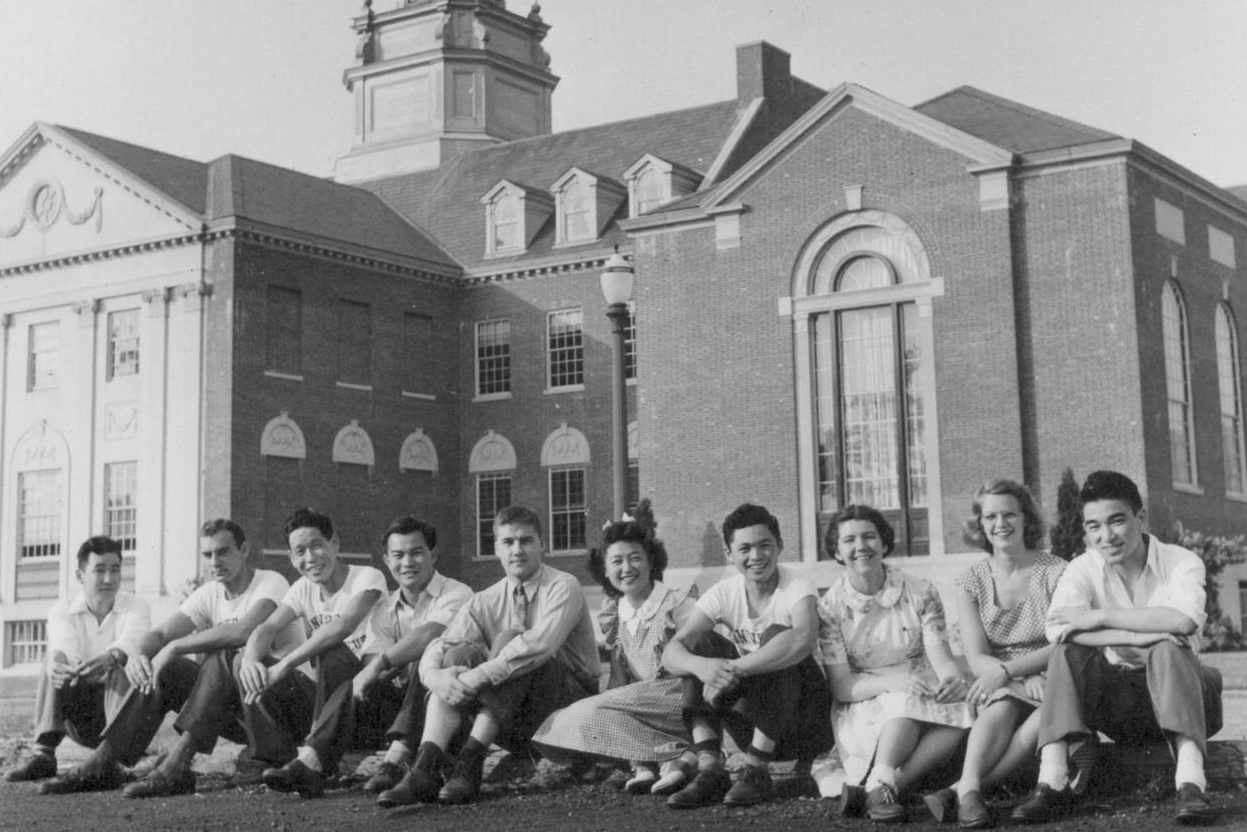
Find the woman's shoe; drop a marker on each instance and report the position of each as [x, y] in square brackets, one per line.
[852, 801]
[972, 812]
[642, 780]
[673, 779]
[942, 804]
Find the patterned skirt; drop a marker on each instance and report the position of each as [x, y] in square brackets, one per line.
[857, 725]
[642, 721]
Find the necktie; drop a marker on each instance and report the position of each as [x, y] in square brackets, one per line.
[520, 609]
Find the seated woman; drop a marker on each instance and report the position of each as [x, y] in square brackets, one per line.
[1001, 603]
[899, 694]
[638, 717]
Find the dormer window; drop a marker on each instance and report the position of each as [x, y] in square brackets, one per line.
[584, 204]
[653, 181]
[513, 214]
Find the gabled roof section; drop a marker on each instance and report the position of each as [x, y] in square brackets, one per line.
[183, 180]
[1006, 123]
[446, 201]
[1239, 191]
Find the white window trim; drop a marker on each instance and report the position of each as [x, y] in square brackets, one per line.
[1170, 289]
[478, 396]
[564, 388]
[550, 472]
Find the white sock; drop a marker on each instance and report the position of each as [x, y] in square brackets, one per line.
[881, 774]
[309, 758]
[398, 753]
[1190, 764]
[1053, 765]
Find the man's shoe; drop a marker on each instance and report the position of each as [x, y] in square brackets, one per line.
[464, 782]
[159, 784]
[942, 805]
[883, 806]
[387, 777]
[852, 801]
[1082, 759]
[752, 786]
[417, 786]
[706, 789]
[78, 779]
[294, 776]
[972, 812]
[38, 766]
[1043, 805]
[1193, 806]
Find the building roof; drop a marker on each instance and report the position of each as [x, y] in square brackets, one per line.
[1239, 191]
[234, 186]
[446, 201]
[1006, 123]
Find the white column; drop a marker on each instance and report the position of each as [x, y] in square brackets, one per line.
[8, 507]
[149, 567]
[80, 471]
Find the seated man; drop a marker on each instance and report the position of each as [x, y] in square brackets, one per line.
[764, 683]
[1125, 619]
[386, 693]
[82, 682]
[531, 641]
[332, 600]
[214, 621]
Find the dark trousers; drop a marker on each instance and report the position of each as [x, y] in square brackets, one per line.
[274, 723]
[344, 722]
[140, 714]
[82, 711]
[1173, 695]
[791, 706]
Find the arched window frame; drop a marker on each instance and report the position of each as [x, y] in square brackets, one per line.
[492, 466]
[809, 299]
[1230, 388]
[1176, 340]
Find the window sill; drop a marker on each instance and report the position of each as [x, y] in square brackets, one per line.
[347, 385]
[571, 388]
[286, 376]
[569, 553]
[491, 397]
[428, 397]
[1186, 488]
[1235, 497]
[631, 382]
[504, 252]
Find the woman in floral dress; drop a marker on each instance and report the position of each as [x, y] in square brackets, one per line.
[638, 718]
[1001, 603]
[899, 694]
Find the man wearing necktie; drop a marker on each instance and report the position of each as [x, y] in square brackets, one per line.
[515, 653]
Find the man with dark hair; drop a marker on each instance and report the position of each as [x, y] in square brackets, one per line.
[213, 622]
[333, 600]
[1125, 619]
[386, 692]
[90, 638]
[763, 684]
[515, 653]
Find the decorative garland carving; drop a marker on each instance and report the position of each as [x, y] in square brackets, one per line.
[45, 203]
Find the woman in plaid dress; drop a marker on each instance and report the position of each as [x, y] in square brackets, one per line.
[638, 717]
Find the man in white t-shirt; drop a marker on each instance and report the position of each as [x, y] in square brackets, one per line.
[89, 639]
[757, 677]
[333, 600]
[213, 622]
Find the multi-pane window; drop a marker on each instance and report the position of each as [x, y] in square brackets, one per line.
[120, 512]
[630, 345]
[578, 212]
[45, 356]
[504, 222]
[283, 330]
[417, 355]
[123, 343]
[1229, 375]
[39, 514]
[568, 511]
[565, 348]
[632, 489]
[650, 192]
[354, 342]
[25, 642]
[493, 358]
[493, 494]
[1178, 386]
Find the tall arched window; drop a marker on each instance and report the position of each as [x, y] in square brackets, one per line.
[862, 312]
[1178, 386]
[1229, 378]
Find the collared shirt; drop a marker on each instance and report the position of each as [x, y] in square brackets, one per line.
[1172, 577]
[73, 630]
[393, 618]
[559, 628]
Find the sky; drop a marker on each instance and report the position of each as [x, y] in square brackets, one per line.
[263, 78]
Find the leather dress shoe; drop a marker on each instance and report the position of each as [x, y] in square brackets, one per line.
[883, 805]
[78, 779]
[1043, 805]
[417, 786]
[852, 801]
[387, 777]
[706, 789]
[972, 812]
[464, 782]
[37, 767]
[294, 776]
[942, 804]
[1193, 806]
[159, 784]
[753, 786]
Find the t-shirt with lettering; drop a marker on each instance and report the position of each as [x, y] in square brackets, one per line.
[727, 606]
[208, 607]
[308, 601]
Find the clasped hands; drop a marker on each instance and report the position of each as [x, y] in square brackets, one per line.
[719, 677]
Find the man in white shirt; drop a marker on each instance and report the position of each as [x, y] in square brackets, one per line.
[90, 638]
[1125, 619]
[214, 621]
[386, 693]
[333, 601]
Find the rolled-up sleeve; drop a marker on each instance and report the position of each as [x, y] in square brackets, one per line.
[62, 637]
[1075, 588]
[1184, 590]
[463, 629]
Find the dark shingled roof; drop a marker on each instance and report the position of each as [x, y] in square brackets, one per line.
[1006, 123]
[279, 197]
[446, 201]
[1239, 191]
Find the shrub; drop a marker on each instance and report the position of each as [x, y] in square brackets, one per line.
[1217, 553]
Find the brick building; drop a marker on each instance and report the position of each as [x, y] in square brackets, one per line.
[838, 298]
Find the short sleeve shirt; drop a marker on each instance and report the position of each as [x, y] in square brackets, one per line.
[393, 618]
[1017, 630]
[73, 630]
[208, 606]
[728, 607]
[308, 601]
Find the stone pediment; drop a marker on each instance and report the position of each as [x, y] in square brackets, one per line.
[58, 198]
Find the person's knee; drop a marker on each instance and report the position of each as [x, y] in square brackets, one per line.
[464, 654]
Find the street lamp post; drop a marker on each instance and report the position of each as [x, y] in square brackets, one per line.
[617, 278]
